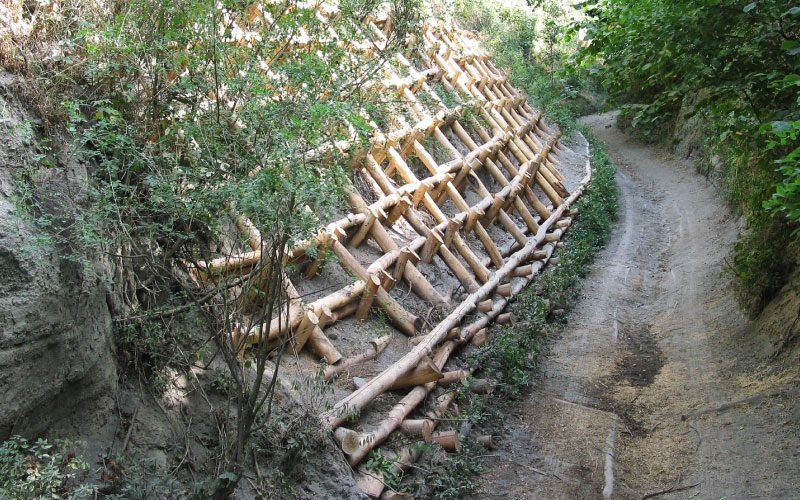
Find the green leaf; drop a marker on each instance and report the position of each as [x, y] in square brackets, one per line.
[229, 477]
[750, 6]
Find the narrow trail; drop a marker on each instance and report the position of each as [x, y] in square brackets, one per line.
[651, 386]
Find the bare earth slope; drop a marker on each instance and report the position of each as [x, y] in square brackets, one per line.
[658, 384]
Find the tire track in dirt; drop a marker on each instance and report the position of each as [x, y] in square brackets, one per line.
[653, 341]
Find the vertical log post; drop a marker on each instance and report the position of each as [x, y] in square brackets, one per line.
[373, 284]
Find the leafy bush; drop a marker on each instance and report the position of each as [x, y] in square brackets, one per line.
[736, 64]
[183, 111]
[41, 469]
[531, 45]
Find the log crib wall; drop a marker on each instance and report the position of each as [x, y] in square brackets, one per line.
[444, 186]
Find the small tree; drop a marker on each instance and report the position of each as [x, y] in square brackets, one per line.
[190, 110]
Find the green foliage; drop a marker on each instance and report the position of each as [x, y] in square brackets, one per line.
[786, 199]
[185, 106]
[530, 44]
[135, 477]
[149, 346]
[456, 473]
[761, 260]
[736, 64]
[41, 469]
[384, 466]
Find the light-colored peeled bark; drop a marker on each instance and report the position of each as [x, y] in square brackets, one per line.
[405, 321]
[379, 384]
[423, 373]
[378, 345]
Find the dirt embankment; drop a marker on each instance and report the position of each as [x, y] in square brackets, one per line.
[659, 384]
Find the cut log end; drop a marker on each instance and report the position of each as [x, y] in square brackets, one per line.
[448, 440]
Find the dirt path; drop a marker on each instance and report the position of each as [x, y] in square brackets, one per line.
[651, 386]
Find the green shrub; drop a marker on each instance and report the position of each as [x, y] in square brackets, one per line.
[41, 469]
[736, 64]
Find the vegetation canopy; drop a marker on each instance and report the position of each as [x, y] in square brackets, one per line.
[735, 66]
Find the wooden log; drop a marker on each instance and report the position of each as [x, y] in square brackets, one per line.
[494, 209]
[472, 260]
[350, 440]
[538, 255]
[419, 428]
[423, 373]
[363, 231]
[402, 319]
[315, 265]
[481, 386]
[453, 226]
[396, 495]
[564, 223]
[377, 346]
[504, 289]
[522, 271]
[462, 274]
[453, 377]
[448, 440]
[551, 237]
[488, 244]
[504, 318]
[480, 338]
[371, 483]
[487, 442]
[472, 219]
[432, 244]
[323, 347]
[380, 383]
[555, 260]
[453, 334]
[387, 280]
[373, 285]
[485, 306]
[324, 314]
[304, 331]
[337, 300]
[420, 193]
[406, 255]
[399, 209]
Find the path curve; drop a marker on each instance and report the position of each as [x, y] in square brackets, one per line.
[634, 397]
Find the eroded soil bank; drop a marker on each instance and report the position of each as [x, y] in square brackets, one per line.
[658, 386]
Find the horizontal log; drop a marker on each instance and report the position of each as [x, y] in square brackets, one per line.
[423, 373]
[453, 377]
[421, 428]
[487, 442]
[481, 386]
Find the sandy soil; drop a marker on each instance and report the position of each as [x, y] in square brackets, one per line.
[655, 388]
